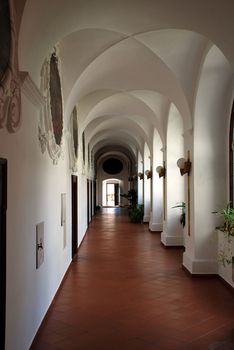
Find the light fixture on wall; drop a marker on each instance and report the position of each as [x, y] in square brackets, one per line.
[185, 168]
[141, 176]
[148, 173]
[161, 170]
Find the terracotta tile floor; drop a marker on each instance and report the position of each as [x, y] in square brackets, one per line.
[126, 292]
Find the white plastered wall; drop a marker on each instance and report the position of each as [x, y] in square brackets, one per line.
[34, 195]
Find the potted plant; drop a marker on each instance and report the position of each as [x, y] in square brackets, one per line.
[131, 196]
[225, 254]
[182, 206]
[136, 212]
[227, 215]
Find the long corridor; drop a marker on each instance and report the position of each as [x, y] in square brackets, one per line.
[126, 292]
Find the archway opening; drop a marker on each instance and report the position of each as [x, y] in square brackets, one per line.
[111, 193]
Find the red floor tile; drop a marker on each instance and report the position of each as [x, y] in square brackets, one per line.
[125, 291]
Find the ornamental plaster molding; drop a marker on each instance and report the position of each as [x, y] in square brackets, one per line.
[31, 91]
[10, 94]
[45, 127]
[73, 159]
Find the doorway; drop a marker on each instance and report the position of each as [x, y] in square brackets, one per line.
[91, 199]
[111, 189]
[74, 181]
[112, 194]
[3, 210]
[88, 203]
[94, 197]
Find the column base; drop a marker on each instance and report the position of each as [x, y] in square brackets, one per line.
[154, 226]
[200, 266]
[172, 240]
[146, 218]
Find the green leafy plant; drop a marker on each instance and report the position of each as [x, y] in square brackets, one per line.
[227, 215]
[182, 206]
[227, 227]
[131, 196]
[136, 214]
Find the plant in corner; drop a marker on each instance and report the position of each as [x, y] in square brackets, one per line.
[227, 227]
[131, 196]
[136, 214]
[182, 206]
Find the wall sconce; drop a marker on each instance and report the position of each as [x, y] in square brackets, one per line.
[141, 176]
[161, 171]
[148, 173]
[184, 166]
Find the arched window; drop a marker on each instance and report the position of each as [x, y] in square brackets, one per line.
[231, 155]
[112, 166]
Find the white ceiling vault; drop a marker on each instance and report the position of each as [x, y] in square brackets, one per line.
[124, 63]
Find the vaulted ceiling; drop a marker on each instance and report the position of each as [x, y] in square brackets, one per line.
[123, 63]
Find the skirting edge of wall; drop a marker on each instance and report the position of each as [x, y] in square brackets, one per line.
[155, 226]
[33, 342]
[172, 240]
[146, 218]
[200, 266]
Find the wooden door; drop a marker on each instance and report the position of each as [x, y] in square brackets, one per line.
[116, 194]
[88, 203]
[3, 210]
[74, 182]
[95, 196]
[91, 199]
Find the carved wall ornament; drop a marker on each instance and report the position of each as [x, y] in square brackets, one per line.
[88, 156]
[83, 146]
[73, 140]
[10, 95]
[50, 130]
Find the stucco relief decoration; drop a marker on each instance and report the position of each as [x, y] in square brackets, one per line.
[73, 140]
[51, 120]
[10, 96]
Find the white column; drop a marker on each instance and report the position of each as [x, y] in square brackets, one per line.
[172, 234]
